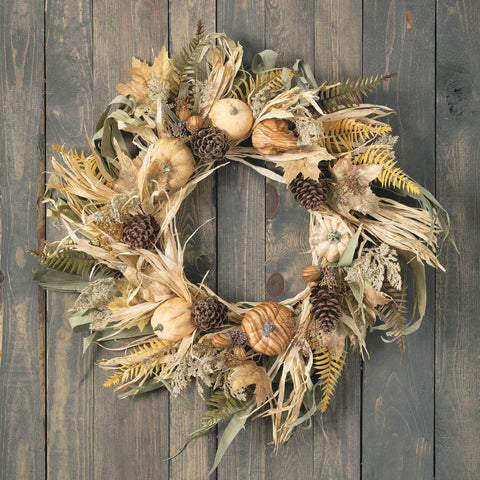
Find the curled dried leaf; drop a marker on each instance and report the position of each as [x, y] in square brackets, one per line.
[249, 373]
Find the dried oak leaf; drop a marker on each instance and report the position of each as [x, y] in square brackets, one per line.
[144, 75]
[351, 189]
[374, 297]
[335, 340]
[308, 165]
[249, 373]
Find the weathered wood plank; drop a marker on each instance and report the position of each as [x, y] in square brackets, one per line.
[338, 54]
[200, 258]
[287, 223]
[397, 394]
[457, 383]
[69, 81]
[22, 155]
[241, 236]
[130, 436]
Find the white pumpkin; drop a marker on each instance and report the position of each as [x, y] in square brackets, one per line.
[330, 238]
[232, 116]
[171, 164]
[172, 320]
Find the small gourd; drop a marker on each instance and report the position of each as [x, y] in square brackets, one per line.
[172, 319]
[171, 165]
[184, 114]
[272, 136]
[194, 123]
[232, 116]
[239, 353]
[330, 238]
[221, 340]
[269, 328]
[311, 274]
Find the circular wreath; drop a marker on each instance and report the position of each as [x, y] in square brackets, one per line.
[170, 130]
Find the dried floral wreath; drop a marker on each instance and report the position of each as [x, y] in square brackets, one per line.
[169, 131]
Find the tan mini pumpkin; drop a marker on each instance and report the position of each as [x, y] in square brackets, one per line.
[172, 320]
[194, 123]
[272, 136]
[330, 238]
[232, 116]
[171, 165]
[221, 340]
[269, 328]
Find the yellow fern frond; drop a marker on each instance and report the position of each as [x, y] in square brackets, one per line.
[347, 134]
[329, 369]
[87, 165]
[142, 363]
[391, 175]
[244, 89]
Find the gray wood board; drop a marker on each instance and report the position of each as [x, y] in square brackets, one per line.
[338, 54]
[131, 437]
[241, 236]
[457, 380]
[198, 212]
[69, 83]
[22, 387]
[398, 390]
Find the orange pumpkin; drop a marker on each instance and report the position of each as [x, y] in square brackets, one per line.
[269, 328]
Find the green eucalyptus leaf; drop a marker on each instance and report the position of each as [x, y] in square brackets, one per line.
[349, 252]
[304, 75]
[59, 281]
[418, 270]
[264, 61]
[234, 426]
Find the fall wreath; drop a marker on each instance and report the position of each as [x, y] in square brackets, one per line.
[169, 129]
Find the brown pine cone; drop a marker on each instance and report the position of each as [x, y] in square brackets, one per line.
[238, 337]
[180, 129]
[140, 232]
[209, 313]
[209, 145]
[325, 306]
[308, 192]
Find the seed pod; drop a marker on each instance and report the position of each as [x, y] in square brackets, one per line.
[194, 123]
[221, 340]
[311, 274]
[239, 353]
[184, 114]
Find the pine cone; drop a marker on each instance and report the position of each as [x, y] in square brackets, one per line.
[209, 313]
[326, 306]
[238, 337]
[140, 231]
[308, 192]
[209, 145]
[180, 129]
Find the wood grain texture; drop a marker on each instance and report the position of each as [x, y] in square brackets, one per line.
[287, 223]
[457, 383]
[131, 437]
[69, 82]
[241, 237]
[200, 258]
[419, 412]
[22, 155]
[397, 410]
[338, 54]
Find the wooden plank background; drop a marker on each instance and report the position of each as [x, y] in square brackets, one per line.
[411, 416]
